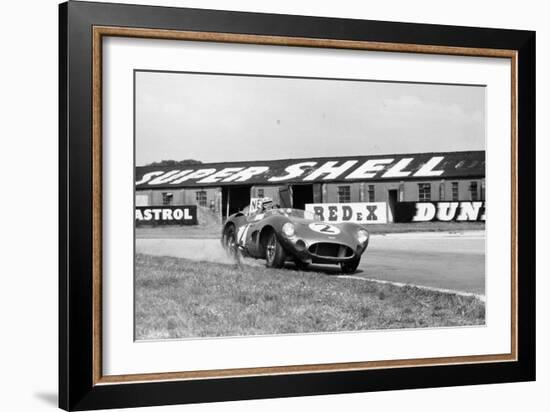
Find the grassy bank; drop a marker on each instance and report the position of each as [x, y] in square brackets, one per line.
[178, 298]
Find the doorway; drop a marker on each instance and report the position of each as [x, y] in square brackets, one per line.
[234, 199]
[301, 194]
[392, 204]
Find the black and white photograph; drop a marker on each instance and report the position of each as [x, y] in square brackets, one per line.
[270, 205]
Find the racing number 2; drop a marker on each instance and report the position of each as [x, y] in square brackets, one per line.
[324, 228]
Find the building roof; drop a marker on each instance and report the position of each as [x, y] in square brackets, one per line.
[400, 167]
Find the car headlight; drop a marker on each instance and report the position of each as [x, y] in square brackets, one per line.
[362, 235]
[288, 229]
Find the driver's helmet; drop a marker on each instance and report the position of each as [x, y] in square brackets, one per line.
[267, 204]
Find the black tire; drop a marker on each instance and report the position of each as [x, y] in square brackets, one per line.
[350, 266]
[300, 265]
[275, 255]
[230, 242]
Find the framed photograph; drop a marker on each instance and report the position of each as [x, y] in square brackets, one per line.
[256, 206]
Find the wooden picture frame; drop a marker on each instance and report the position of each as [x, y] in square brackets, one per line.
[82, 385]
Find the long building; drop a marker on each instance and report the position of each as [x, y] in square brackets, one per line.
[227, 187]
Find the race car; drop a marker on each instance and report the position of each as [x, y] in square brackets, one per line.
[281, 235]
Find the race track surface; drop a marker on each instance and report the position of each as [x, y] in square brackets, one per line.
[453, 261]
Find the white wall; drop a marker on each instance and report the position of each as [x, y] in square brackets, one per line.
[28, 295]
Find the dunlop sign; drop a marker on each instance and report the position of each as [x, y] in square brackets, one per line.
[166, 215]
[440, 211]
[363, 213]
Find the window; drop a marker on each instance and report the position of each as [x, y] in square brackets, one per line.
[473, 191]
[167, 198]
[454, 191]
[371, 193]
[142, 200]
[424, 192]
[260, 192]
[201, 198]
[344, 194]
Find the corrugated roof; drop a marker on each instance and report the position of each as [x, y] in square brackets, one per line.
[415, 166]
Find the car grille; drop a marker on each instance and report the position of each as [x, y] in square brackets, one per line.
[330, 250]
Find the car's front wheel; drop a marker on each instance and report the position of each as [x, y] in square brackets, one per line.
[350, 266]
[230, 242]
[274, 253]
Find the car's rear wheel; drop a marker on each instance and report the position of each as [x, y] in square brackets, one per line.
[274, 253]
[350, 266]
[230, 242]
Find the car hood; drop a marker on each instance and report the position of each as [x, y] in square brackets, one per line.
[313, 231]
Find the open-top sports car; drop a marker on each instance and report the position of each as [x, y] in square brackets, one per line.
[280, 235]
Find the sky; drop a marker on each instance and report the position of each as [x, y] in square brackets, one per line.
[217, 118]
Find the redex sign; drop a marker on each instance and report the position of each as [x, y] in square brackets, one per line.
[440, 211]
[166, 215]
[363, 213]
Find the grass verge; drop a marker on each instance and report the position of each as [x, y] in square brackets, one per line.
[179, 298]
